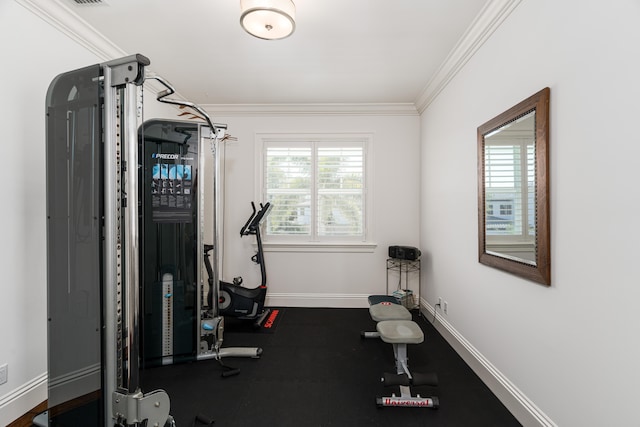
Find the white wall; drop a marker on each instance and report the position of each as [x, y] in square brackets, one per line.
[571, 349]
[33, 53]
[328, 279]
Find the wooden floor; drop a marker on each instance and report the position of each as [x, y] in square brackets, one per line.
[25, 420]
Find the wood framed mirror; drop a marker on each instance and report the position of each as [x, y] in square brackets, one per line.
[513, 190]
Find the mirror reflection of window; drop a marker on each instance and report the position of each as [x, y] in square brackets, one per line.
[509, 154]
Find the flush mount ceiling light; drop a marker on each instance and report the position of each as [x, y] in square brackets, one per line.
[268, 19]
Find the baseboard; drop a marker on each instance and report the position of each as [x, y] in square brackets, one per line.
[18, 402]
[525, 411]
[317, 300]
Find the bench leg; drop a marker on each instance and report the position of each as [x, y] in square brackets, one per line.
[405, 399]
[400, 353]
[369, 334]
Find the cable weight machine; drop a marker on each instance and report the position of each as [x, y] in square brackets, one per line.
[179, 326]
[95, 253]
[92, 250]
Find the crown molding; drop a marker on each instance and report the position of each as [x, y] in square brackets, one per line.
[488, 20]
[58, 15]
[235, 110]
[61, 17]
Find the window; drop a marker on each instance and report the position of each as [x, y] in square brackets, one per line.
[317, 185]
[506, 210]
[509, 186]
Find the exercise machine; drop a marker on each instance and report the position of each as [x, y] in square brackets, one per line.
[93, 115]
[178, 325]
[169, 190]
[238, 301]
[396, 327]
[401, 333]
[96, 252]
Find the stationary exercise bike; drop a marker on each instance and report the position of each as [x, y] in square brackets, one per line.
[234, 299]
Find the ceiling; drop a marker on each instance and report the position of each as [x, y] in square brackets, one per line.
[343, 51]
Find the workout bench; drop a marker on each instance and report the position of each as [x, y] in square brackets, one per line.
[394, 326]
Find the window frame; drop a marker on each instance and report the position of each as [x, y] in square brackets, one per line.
[315, 243]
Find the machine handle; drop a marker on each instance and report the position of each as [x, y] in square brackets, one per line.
[249, 221]
[162, 97]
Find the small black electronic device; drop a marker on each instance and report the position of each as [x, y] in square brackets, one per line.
[404, 252]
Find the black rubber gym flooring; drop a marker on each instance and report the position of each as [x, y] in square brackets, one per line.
[317, 371]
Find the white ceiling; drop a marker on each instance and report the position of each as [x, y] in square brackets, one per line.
[343, 51]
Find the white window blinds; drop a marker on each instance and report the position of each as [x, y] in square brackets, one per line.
[340, 181]
[288, 185]
[316, 188]
[510, 189]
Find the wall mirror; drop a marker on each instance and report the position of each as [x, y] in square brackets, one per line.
[513, 190]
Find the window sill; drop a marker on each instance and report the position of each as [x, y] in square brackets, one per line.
[337, 247]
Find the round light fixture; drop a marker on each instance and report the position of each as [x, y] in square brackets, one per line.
[268, 19]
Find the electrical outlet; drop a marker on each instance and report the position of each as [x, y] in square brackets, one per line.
[445, 307]
[4, 373]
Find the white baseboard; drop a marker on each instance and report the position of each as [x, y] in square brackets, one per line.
[317, 300]
[18, 402]
[525, 411]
